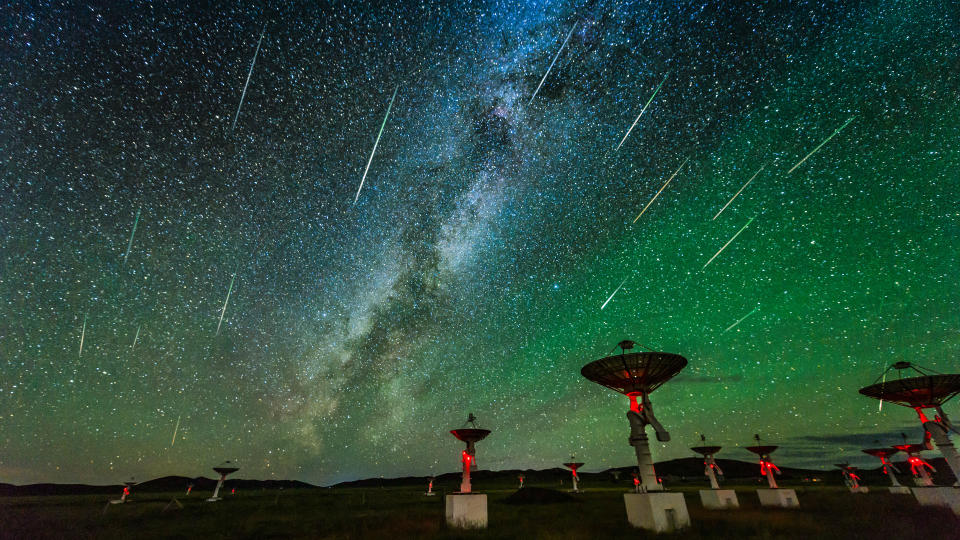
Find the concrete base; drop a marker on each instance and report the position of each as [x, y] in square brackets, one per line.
[718, 499]
[467, 510]
[214, 499]
[658, 512]
[861, 489]
[784, 498]
[900, 490]
[118, 501]
[431, 494]
[939, 496]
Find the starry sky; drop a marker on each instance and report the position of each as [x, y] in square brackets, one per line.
[233, 301]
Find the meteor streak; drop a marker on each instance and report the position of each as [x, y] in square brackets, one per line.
[734, 325]
[133, 232]
[249, 73]
[174, 439]
[374, 151]
[641, 112]
[728, 242]
[134, 346]
[225, 302]
[82, 334]
[825, 141]
[551, 64]
[880, 409]
[738, 193]
[614, 293]
[661, 189]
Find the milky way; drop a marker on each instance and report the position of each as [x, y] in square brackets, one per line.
[470, 274]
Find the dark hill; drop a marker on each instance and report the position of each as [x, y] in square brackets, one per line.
[164, 484]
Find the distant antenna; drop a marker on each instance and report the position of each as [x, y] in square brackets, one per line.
[850, 478]
[573, 465]
[883, 454]
[774, 496]
[126, 491]
[714, 498]
[223, 470]
[465, 509]
[918, 466]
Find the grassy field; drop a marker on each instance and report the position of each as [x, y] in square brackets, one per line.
[827, 512]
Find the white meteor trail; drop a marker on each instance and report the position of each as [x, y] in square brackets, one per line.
[825, 141]
[649, 101]
[374, 151]
[661, 189]
[728, 242]
[614, 293]
[738, 193]
[135, 337]
[82, 334]
[734, 325]
[880, 409]
[249, 73]
[174, 439]
[133, 232]
[225, 302]
[552, 63]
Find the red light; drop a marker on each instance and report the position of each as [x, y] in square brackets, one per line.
[917, 463]
[126, 490]
[766, 466]
[634, 406]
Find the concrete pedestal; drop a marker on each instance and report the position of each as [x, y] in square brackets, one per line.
[861, 489]
[899, 490]
[718, 499]
[939, 496]
[467, 510]
[658, 512]
[784, 498]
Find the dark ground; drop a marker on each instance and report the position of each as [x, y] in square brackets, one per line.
[826, 512]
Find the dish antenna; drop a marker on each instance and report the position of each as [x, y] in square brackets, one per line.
[126, 491]
[850, 478]
[466, 509]
[925, 390]
[573, 465]
[774, 495]
[918, 466]
[883, 454]
[636, 375]
[714, 498]
[223, 470]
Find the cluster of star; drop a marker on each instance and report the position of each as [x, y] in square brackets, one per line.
[311, 239]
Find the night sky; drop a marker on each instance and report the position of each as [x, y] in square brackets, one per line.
[492, 226]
